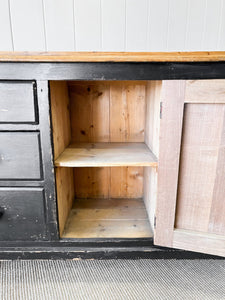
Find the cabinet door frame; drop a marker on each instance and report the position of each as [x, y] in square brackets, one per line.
[174, 96]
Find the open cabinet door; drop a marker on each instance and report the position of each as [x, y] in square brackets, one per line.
[190, 212]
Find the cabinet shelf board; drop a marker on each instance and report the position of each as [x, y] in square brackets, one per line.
[106, 155]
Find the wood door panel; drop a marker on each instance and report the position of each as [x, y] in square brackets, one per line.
[217, 214]
[190, 210]
[200, 145]
[168, 162]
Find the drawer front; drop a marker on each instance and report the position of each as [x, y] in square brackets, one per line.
[17, 102]
[22, 214]
[20, 156]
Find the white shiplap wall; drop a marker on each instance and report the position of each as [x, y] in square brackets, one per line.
[112, 25]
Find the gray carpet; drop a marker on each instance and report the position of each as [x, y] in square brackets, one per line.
[113, 279]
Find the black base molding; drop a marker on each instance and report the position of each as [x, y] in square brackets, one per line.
[94, 249]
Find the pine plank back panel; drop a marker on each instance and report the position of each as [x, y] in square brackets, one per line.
[108, 112]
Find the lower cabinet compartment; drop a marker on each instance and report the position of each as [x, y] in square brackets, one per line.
[105, 136]
[104, 202]
[22, 214]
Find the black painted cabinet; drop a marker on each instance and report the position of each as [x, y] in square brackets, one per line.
[22, 214]
[20, 156]
[28, 206]
[26, 211]
[18, 102]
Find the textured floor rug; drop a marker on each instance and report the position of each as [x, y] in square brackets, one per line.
[113, 279]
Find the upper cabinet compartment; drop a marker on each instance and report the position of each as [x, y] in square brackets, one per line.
[108, 125]
[18, 102]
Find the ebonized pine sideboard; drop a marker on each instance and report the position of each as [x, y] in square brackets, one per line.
[112, 155]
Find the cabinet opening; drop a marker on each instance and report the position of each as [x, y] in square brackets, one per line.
[105, 136]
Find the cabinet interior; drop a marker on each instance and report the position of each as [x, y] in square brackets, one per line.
[105, 136]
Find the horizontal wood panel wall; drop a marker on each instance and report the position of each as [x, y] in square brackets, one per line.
[112, 25]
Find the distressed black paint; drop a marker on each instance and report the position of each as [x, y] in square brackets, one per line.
[23, 215]
[36, 234]
[112, 71]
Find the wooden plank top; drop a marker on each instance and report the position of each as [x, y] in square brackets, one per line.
[112, 56]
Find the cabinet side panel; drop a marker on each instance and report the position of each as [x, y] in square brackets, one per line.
[60, 116]
[65, 195]
[60, 113]
[153, 96]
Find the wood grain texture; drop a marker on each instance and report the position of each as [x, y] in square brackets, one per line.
[114, 56]
[152, 124]
[199, 198]
[200, 145]
[126, 182]
[205, 91]
[116, 182]
[199, 242]
[92, 182]
[173, 93]
[127, 111]
[92, 218]
[217, 213]
[103, 112]
[60, 116]
[65, 195]
[89, 111]
[152, 115]
[106, 155]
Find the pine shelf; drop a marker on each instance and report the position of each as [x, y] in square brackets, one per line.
[106, 155]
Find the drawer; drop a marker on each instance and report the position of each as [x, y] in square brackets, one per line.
[22, 214]
[17, 102]
[20, 155]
